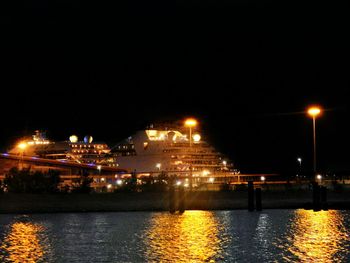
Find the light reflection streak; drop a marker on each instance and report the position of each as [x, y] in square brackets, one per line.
[22, 243]
[190, 237]
[318, 236]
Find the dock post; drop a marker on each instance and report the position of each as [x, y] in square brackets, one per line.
[324, 204]
[250, 196]
[172, 199]
[316, 197]
[258, 199]
[182, 199]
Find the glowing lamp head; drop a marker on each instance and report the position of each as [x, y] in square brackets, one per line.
[262, 178]
[191, 122]
[119, 182]
[196, 137]
[22, 145]
[314, 111]
[205, 173]
[319, 177]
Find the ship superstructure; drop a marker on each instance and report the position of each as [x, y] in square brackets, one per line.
[85, 151]
[171, 151]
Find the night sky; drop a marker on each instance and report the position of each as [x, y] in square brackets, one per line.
[246, 69]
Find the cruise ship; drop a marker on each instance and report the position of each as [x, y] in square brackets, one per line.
[85, 151]
[176, 151]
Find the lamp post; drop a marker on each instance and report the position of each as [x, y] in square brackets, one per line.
[299, 161]
[22, 146]
[314, 112]
[190, 123]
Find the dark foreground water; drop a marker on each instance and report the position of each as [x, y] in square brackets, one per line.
[195, 236]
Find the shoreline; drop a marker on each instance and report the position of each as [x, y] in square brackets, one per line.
[156, 202]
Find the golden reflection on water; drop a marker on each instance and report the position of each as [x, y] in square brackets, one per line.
[190, 237]
[22, 243]
[318, 236]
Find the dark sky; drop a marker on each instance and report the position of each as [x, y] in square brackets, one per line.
[246, 69]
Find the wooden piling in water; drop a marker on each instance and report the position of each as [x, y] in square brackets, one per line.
[258, 199]
[172, 200]
[323, 196]
[316, 202]
[182, 199]
[250, 196]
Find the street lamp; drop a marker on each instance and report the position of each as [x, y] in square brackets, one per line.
[190, 123]
[299, 160]
[22, 146]
[314, 111]
[99, 167]
[319, 178]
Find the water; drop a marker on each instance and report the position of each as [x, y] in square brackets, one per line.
[195, 236]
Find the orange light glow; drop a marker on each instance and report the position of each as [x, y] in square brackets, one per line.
[318, 236]
[22, 243]
[191, 122]
[188, 237]
[22, 145]
[314, 111]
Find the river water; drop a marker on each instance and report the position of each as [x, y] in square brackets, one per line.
[195, 236]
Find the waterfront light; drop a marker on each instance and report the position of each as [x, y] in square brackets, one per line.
[99, 167]
[224, 163]
[178, 183]
[205, 173]
[119, 182]
[314, 111]
[211, 180]
[319, 177]
[190, 122]
[262, 178]
[109, 186]
[158, 165]
[22, 145]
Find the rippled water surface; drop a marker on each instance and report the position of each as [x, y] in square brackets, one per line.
[195, 236]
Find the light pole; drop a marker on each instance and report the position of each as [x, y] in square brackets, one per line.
[190, 123]
[22, 146]
[158, 166]
[299, 160]
[225, 168]
[314, 112]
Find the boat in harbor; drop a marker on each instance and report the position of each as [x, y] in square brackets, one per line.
[169, 149]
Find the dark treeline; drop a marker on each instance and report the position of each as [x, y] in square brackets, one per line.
[36, 182]
[26, 181]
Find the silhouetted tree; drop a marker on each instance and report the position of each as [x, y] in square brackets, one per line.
[25, 181]
[83, 184]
